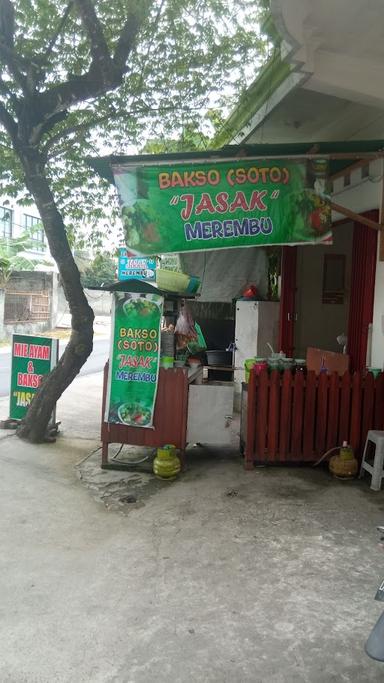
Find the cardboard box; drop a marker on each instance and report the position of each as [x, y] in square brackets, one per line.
[332, 362]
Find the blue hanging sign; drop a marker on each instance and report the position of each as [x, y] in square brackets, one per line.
[136, 267]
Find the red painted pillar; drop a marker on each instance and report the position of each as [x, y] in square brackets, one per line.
[287, 300]
[363, 276]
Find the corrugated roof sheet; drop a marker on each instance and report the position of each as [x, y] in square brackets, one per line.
[357, 148]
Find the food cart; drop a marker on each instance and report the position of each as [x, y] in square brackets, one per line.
[187, 407]
[205, 202]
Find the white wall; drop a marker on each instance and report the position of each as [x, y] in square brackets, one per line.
[363, 194]
[319, 324]
[377, 360]
[18, 213]
[325, 321]
[338, 45]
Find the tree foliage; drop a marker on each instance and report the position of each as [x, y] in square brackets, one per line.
[191, 61]
[90, 76]
[102, 270]
[13, 257]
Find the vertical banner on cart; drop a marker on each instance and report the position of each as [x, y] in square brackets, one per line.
[32, 359]
[134, 359]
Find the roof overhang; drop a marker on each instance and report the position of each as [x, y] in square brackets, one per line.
[332, 53]
[340, 153]
[339, 46]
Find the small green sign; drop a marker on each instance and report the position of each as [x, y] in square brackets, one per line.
[200, 205]
[134, 359]
[32, 358]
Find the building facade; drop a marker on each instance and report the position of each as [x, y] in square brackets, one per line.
[16, 220]
[322, 85]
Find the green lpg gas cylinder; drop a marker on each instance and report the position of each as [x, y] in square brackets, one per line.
[166, 464]
[344, 465]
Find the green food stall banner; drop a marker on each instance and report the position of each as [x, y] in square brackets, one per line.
[134, 359]
[219, 205]
[32, 358]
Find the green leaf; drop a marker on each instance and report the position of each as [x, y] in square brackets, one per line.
[187, 69]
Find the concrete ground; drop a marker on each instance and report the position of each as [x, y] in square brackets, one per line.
[221, 576]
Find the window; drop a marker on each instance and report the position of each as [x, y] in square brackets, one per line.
[334, 279]
[6, 220]
[34, 226]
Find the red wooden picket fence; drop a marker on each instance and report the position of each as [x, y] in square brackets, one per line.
[295, 418]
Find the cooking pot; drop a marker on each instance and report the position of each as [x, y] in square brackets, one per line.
[219, 357]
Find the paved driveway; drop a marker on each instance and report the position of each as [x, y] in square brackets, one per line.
[222, 576]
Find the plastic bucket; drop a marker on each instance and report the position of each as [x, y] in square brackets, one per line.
[274, 363]
[375, 371]
[259, 364]
[172, 281]
[288, 363]
[166, 362]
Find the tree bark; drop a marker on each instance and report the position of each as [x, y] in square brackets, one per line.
[34, 426]
[29, 118]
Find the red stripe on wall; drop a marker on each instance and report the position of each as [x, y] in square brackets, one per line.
[362, 290]
[287, 301]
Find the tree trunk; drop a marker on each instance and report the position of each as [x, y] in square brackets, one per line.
[34, 426]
